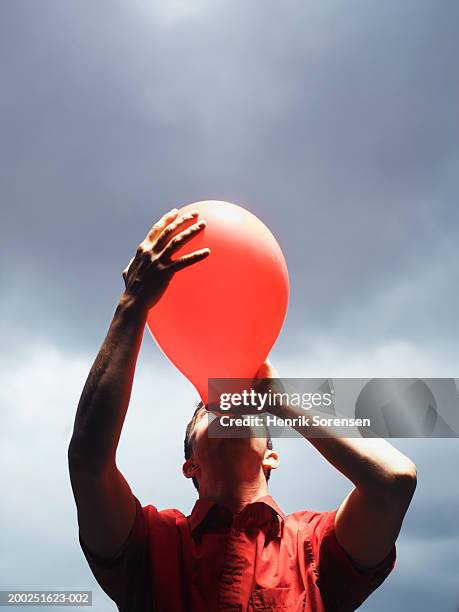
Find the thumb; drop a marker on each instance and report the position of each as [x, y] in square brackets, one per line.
[266, 370]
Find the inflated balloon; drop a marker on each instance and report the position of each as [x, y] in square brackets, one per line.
[220, 317]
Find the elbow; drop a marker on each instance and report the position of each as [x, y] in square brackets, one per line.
[401, 484]
[409, 479]
[392, 487]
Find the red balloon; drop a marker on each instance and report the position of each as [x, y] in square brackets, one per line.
[220, 317]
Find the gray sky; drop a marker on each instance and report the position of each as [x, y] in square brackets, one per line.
[336, 124]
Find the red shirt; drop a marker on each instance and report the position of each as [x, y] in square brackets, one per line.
[261, 560]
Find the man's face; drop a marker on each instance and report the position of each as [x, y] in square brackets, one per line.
[237, 458]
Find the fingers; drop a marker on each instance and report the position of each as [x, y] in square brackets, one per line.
[188, 260]
[168, 231]
[182, 238]
[165, 238]
[158, 227]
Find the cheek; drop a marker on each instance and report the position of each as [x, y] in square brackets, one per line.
[200, 441]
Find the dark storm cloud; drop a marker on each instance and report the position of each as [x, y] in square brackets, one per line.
[336, 125]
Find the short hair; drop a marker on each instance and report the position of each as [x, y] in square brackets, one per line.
[187, 446]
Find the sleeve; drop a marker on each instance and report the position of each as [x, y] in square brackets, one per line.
[343, 584]
[125, 579]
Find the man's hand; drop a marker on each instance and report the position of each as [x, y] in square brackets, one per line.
[267, 379]
[150, 271]
[266, 370]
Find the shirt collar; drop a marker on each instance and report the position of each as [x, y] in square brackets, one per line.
[202, 507]
[200, 511]
[269, 501]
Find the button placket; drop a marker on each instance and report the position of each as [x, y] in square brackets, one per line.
[238, 562]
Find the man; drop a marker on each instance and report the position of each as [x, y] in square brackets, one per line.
[237, 550]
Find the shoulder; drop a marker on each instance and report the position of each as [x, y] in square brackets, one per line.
[340, 579]
[165, 514]
[166, 517]
[312, 520]
[310, 528]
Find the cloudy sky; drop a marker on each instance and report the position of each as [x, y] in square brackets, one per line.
[335, 123]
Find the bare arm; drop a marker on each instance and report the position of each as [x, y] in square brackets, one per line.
[370, 517]
[105, 503]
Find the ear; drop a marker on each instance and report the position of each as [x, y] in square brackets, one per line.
[190, 468]
[271, 459]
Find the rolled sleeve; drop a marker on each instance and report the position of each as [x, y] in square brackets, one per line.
[344, 585]
[124, 578]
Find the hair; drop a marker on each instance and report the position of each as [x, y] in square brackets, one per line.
[187, 445]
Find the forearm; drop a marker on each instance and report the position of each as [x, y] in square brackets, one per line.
[377, 469]
[105, 398]
[105, 502]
